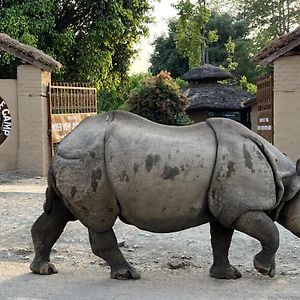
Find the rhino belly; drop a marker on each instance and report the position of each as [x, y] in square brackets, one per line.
[161, 177]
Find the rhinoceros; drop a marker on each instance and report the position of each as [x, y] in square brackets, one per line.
[164, 179]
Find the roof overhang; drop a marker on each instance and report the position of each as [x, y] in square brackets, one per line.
[278, 48]
[28, 54]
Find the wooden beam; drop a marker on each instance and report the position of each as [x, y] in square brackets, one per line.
[280, 52]
[291, 53]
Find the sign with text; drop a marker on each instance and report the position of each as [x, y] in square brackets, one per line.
[62, 124]
[5, 121]
[265, 125]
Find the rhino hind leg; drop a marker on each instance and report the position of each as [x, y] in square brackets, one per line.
[104, 245]
[258, 225]
[45, 231]
[220, 241]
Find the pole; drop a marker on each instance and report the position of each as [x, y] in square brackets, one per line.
[202, 36]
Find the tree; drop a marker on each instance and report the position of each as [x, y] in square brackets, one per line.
[159, 99]
[226, 27]
[191, 38]
[270, 19]
[92, 39]
[233, 30]
[232, 66]
[166, 56]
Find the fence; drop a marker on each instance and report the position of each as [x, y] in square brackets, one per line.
[69, 104]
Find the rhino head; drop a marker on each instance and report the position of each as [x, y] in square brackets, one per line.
[289, 216]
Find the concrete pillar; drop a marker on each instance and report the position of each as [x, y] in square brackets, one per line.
[34, 154]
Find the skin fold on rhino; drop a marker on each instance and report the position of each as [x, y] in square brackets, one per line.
[165, 179]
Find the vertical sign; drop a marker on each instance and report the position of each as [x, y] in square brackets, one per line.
[265, 124]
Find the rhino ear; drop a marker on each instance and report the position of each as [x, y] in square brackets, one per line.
[298, 167]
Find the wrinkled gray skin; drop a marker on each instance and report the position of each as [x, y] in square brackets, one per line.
[165, 179]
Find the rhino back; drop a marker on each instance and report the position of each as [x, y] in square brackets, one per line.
[160, 174]
[80, 172]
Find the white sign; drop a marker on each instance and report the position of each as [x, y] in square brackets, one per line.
[264, 127]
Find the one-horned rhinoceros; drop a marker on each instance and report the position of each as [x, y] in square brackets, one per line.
[164, 179]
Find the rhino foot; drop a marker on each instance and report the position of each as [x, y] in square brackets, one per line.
[43, 268]
[263, 264]
[224, 272]
[127, 272]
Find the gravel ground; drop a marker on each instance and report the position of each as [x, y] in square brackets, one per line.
[173, 266]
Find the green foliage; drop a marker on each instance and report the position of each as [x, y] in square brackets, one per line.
[246, 86]
[232, 65]
[191, 39]
[270, 19]
[229, 27]
[181, 83]
[166, 56]
[116, 98]
[250, 26]
[230, 49]
[237, 30]
[265, 20]
[135, 82]
[255, 23]
[92, 39]
[159, 99]
[21, 20]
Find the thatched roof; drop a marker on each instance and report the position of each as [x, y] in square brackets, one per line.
[216, 96]
[206, 73]
[288, 43]
[28, 54]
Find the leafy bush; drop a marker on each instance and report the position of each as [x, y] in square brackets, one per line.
[116, 97]
[181, 83]
[159, 99]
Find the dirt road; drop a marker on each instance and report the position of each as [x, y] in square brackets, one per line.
[173, 266]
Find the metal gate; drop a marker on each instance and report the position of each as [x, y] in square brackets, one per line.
[69, 103]
[265, 100]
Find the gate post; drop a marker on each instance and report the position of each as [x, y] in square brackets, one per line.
[33, 155]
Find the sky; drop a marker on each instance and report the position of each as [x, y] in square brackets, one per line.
[163, 11]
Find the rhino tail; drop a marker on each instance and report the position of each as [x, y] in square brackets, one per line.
[51, 192]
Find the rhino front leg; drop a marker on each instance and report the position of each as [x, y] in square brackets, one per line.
[104, 245]
[45, 231]
[258, 225]
[220, 241]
